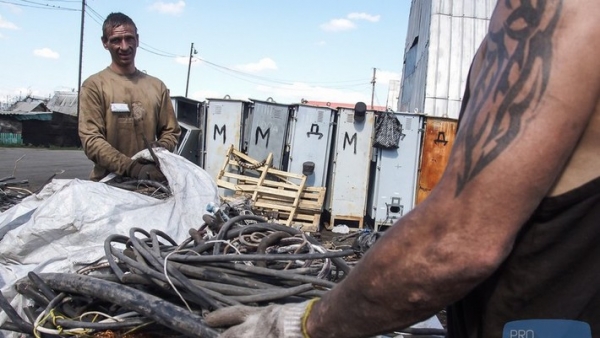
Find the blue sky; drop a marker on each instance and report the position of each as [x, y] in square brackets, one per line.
[287, 50]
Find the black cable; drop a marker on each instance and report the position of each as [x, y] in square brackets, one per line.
[163, 312]
[337, 261]
[268, 241]
[25, 287]
[283, 274]
[236, 232]
[108, 249]
[207, 273]
[146, 270]
[12, 314]
[274, 295]
[39, 283]
[259, 257]
[125, 323]
[8, 326]
[230, 223]
[139, 258]
[205, 300]
[48, 292]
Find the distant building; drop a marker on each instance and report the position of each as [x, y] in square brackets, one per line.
[34, 122]
[64, 102]
[441, 40]
[11, 120]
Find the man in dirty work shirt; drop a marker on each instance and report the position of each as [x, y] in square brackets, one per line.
[120, 106]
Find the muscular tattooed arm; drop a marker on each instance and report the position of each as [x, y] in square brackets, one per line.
[535, 82]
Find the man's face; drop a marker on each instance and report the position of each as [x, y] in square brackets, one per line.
[122, 42]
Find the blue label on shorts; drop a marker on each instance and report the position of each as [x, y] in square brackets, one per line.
[547, 328]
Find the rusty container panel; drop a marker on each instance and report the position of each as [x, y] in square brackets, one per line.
[438, 140]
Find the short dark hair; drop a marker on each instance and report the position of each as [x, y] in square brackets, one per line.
[115, 20]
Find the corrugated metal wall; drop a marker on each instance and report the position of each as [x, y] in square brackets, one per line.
[415, 57]
[442, 38]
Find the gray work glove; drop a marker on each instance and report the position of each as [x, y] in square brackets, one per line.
[145, 171]
[273, 321]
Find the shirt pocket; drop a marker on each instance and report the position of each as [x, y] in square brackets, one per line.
[126, 136]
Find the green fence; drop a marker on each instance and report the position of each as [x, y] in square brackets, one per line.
[9, 138]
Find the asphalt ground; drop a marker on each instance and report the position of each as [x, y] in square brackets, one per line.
[39, 165]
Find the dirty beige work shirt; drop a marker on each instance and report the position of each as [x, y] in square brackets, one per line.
[107, 130]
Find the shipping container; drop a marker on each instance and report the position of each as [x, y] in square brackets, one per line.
[267, 132]
[348, 189]
[225, 121]
[189, 111]
[394, 178]
[189, 145]
[191, 117]
[442, 38]
[310, 143]
[438, 140]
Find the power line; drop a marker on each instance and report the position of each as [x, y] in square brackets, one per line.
[244, 76]
[265, 81]
[279, 81]
[241, 75]
[33, 4]
[91, 12]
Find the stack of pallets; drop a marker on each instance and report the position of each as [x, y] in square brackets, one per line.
[282, 195]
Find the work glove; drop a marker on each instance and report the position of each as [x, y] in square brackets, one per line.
[273, 321]
[145, 171]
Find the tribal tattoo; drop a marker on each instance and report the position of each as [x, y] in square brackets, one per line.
[514, 78]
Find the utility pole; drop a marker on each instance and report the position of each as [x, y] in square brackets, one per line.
[373, 90]
[187, 83]
[80, 55]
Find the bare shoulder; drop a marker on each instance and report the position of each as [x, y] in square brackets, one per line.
[535, 84]
[531, 117]
[584, 163]
[578, 50]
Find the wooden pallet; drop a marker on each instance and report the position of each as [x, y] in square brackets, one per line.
[273, 191]
[240, 170]
[308, 213]
[337, 219]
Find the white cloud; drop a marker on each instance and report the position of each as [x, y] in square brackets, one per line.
[13, 8]
[46, 53]
[383, 76]
[338, 25]
[7, 24]
[172, 8]
[321, 43]
[364, 16]
[262, 64]
[201, 95]
[344, 24]
[185, 60]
